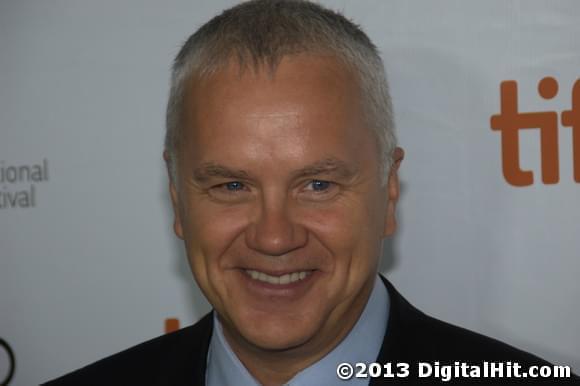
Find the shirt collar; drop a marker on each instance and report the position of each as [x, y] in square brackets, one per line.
[362, 344]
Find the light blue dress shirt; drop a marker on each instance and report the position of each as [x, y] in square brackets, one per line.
[362, 344]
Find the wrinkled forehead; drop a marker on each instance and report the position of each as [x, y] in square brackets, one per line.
[314, 97]
[323, 81]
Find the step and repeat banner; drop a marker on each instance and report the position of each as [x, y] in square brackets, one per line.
[487, 102]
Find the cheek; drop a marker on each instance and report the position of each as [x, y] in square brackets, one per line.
[354, 246]
[211, 230]
[349, 233]
[208, 233]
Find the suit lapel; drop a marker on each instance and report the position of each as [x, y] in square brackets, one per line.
[397, 339]
[185, 364]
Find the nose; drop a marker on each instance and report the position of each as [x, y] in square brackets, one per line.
[273, 231]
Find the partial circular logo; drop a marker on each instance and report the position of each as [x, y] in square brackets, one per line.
[7, 363]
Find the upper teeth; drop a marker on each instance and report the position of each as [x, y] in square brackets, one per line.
[284, 279]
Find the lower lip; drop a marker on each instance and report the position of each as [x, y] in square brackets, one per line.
[289, 290]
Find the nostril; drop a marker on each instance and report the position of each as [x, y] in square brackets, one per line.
[275, 237]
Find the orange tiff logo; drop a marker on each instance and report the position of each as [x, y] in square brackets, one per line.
[171, 324]
[509, 121]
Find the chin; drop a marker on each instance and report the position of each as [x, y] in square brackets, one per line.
[279, 341]
[277, 333]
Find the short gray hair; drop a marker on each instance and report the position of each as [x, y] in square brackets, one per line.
[260, 33]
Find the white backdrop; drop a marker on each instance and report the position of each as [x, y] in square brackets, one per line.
[88, 262]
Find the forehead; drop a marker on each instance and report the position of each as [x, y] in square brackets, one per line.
[322, 80]
[309, 104]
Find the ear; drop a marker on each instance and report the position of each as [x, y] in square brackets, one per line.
[177, 227]
[393, 193]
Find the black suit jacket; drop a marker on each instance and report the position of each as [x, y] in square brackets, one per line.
[179, 358]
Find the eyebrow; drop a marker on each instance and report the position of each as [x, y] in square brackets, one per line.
[210, 169]
[326, 166]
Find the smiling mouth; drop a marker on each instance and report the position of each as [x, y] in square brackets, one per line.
[280, 280]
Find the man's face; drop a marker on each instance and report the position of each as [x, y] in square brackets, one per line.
[279, 202]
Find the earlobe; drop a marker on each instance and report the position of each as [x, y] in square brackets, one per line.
[177, 227]
[393, 193]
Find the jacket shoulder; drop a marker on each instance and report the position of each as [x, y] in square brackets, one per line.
[414, 337]
[442, 340]
[165, 360]
[419, 336]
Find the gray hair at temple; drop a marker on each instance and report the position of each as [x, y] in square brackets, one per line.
[258, 34]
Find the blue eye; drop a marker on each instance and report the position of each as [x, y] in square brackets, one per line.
[234, 186]
[319, 185]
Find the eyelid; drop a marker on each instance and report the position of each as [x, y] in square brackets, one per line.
[221, 188]
[220, 193]
[309, 183]
[329, 193]
[226, 183]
